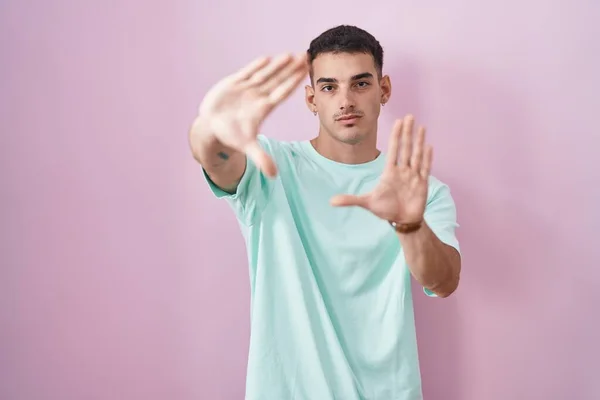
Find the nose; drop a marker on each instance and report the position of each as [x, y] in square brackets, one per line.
[347, 102]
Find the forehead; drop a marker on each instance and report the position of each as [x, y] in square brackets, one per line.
[342, 66]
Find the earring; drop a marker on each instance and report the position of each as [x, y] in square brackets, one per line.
[315, 112]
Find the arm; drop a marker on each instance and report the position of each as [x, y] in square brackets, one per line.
[224, 134]
[434, 264]
[224, 166]
[231, 174]
[420, 208]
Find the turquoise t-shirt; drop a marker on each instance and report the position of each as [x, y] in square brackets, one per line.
[331, 304]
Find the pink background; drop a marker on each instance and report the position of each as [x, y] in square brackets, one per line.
[122, 278]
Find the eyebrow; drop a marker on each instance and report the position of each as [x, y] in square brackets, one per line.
[364, 75]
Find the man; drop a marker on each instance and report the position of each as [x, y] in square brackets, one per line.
[334, 229]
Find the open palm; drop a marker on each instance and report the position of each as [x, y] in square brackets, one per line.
[235, 107]
[401, 194]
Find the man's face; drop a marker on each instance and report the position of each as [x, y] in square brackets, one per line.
[347, 95]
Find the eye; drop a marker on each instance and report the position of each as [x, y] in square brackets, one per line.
[326, 88]
[362, 84]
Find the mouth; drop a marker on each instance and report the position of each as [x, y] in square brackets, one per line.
[349, 119]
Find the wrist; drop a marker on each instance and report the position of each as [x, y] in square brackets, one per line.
[205, 144]
[406, 227]
[201, 131]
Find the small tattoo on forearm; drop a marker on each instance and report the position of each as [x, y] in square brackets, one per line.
[223, 156]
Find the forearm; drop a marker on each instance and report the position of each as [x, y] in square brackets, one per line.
[222, 164]
[434, 264]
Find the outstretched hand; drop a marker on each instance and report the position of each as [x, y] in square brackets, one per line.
[401, 195]
[234, 109]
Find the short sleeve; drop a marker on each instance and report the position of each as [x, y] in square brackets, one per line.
[253, 191]
[440, 216]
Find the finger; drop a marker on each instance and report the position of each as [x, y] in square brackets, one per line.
[283, 91]
[259, 156]
[427, 159]
[247, 71]
[417, 155]
[346, 200]
[392, 156]
[406, 141]
[266, 73]
[297, 65]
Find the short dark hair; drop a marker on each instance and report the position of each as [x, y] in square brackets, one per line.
[346, 39]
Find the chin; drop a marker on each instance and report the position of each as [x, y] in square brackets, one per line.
[350, 135]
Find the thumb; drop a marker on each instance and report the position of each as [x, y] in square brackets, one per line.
[259, 156]
[345, 200]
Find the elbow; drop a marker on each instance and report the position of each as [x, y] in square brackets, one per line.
[445, 293]
[447, 288]
[450, 284]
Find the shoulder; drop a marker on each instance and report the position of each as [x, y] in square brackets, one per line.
[268, 143]
[435, 182]
[280, 148]
[275, 143]
[437, 186]
[439, 196]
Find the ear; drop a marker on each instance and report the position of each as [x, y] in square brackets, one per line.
[385, 85]
[309, 97]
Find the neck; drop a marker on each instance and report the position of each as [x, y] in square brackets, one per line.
[347, 153]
